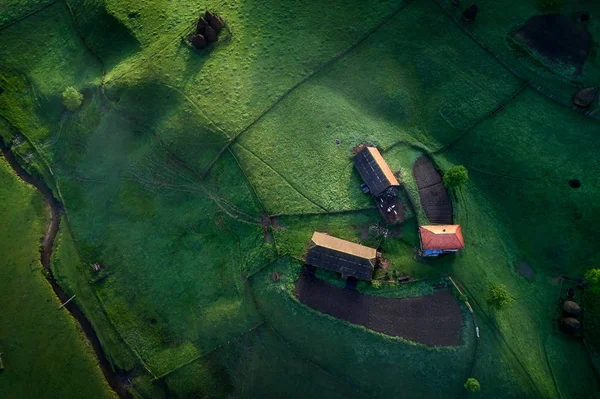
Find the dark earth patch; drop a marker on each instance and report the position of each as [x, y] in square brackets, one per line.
[556, 41]
[433, 320]
[433, 193]
[574, 183]
[425, 173]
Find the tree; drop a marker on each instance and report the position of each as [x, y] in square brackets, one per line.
[456, 176]
[72, 99]
[593, 276]
[472, 385]
[498, 296]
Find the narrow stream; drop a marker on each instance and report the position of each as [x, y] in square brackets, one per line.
[45, 254]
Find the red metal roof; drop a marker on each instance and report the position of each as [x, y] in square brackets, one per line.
[445, 237]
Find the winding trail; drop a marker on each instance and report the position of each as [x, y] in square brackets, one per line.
[56, 211]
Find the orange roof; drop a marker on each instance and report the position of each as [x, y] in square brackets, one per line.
[441, 237]
[337, 244]
[383, 165]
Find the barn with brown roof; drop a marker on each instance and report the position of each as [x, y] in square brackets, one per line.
[341, 256]
[437, 240]
[374, 171]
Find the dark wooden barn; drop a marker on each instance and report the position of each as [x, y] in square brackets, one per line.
[374, 171]
[341, 256]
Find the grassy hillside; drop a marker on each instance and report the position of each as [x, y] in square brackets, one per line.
[175, 161]
[45, 353]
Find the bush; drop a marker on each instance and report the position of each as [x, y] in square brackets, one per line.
[456, 176]
[593, 276]
[591, 305]
[498, 296]
[376, 283]
[72, 99]
[472, 385]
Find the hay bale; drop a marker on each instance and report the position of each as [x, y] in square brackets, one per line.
[216, 23]
[198, 41]
[570, 325]
[201, 26]
[470, 13]
[210, 34]
[208, 15]
[585, 97]
[571, 308]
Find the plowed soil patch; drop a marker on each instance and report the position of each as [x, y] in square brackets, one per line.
[434, 196]
[433, 320]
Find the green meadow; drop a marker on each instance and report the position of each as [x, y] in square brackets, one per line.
[191, 177]
[45, 354]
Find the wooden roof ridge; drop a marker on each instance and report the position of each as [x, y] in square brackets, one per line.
[385, 169]
[348, 247]
[442, 237]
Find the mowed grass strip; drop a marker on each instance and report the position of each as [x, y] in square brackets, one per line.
[414, 80]
[44, 351]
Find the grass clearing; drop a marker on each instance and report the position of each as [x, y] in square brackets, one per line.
[175, 248]
[425, 95]
[35, 337]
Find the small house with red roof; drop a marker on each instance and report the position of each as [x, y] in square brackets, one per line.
[437, 240]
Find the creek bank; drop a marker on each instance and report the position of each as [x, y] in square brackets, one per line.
[47, 244]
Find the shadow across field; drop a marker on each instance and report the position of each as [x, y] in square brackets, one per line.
[433, 320]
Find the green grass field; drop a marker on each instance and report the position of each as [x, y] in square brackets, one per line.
[176, 159]
[45, 354]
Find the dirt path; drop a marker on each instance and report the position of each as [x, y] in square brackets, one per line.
[434, 320]
[46, 253]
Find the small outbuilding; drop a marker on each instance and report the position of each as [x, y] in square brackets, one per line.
[437, 240]
[374, 171]
[341, 256]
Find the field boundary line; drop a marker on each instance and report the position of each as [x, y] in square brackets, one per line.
[315, 72]
[282, 177]
[264, 208]
[263, 267]
[77, 29]
[339, 380]
[70, 228]
[340, 212]
[302, 358]
[505, 64]
[199, 110]
[27, 15]
[208, 352]
[492, 324]
[491, 114]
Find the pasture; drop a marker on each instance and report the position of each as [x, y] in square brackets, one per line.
[191, 177]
